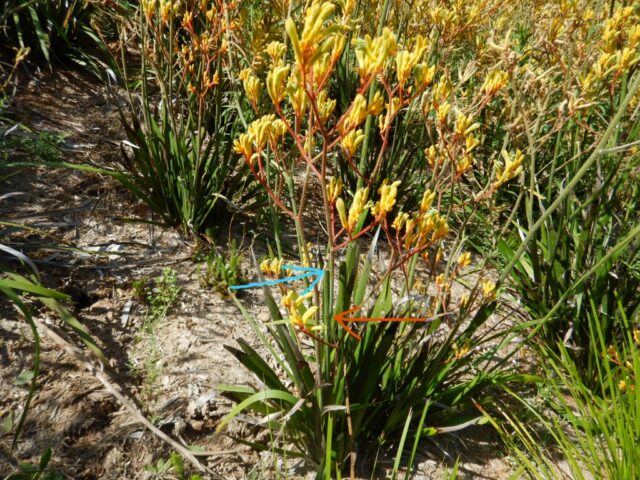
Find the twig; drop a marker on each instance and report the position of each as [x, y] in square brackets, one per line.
[220, 453]
[99, 374]
[112, 266]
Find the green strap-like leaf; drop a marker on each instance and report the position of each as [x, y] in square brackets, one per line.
[18, 282]
[263, 396]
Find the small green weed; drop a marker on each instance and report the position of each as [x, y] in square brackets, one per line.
[140, 289]
[28, 471]
[160, 295]
[31, 146]
[160, 298]
[220, 271]
[172, 468]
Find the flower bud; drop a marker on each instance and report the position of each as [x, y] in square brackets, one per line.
[275, 83]
[340, 207]
[334, 189]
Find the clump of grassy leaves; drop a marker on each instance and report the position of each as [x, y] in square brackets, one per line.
[56, 30]
[182, 116]
[594, 425]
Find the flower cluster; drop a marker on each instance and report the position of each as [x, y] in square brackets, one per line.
[510, 169]
[619, 44]
[299, 314]
[272, 267]
[267, 130]
[359, 205]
